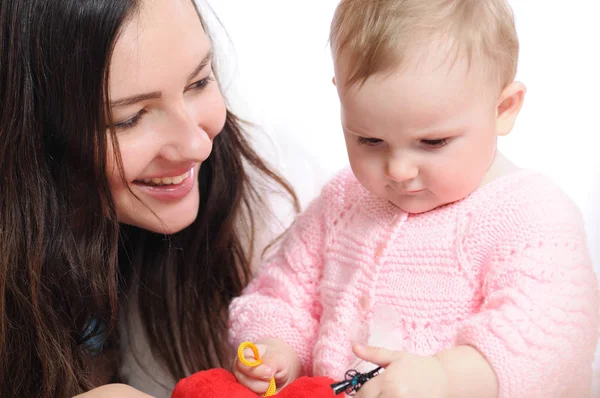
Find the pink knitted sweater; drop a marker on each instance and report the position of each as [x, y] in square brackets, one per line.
[506, 270]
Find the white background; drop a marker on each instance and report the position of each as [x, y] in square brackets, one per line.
[276, 71]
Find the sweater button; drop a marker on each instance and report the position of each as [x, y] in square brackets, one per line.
[380, 249]
[365, 303]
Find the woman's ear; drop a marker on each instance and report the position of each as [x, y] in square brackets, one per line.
[510, 102]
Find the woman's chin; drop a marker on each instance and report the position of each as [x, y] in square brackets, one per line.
[166, 220]
[167, 228]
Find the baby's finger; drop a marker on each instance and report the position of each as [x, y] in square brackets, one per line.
[257, 386]
[377, 355]
[260, 372]
[278, 363]
[251, 366]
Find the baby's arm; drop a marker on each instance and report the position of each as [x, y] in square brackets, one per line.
[282, 300]
[539, 320]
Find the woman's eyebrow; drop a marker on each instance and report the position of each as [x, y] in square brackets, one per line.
[157, 94]
[205, 61]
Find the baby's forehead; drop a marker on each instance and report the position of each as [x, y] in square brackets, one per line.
[437, 60]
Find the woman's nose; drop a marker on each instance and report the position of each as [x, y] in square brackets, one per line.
[186, 139]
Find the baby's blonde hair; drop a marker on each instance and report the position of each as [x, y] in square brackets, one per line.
[375, 36]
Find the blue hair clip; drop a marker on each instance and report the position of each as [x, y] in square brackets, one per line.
[93, 337]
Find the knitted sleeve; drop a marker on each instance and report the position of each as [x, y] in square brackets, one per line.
[282, 299]
[539, 319]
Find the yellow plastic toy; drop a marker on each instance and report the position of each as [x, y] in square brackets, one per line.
[247, 344]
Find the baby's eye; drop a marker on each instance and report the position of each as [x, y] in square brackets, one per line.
[369, 141]
[435, 143]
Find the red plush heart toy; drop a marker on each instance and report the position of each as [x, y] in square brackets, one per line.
[219, 383]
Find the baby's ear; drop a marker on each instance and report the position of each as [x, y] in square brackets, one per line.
[510, 102]
[333, 80]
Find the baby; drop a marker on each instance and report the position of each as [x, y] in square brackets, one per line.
[471, 275]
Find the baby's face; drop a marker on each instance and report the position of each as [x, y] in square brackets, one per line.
[421, 137]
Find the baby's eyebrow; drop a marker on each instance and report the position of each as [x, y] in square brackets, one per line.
[354, 132]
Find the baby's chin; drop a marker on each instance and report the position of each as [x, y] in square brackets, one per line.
[414, 206]
[423, 202]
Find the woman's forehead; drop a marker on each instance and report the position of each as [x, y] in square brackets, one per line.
[161, 38]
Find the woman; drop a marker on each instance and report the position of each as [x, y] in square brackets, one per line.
[126, 194]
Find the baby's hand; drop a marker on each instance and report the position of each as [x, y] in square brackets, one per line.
[405, 375]
[278, 361]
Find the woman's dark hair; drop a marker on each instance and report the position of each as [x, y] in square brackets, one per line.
[64, 258]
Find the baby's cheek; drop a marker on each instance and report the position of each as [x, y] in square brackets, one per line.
[446, 180]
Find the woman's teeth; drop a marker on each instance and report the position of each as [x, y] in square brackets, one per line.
[167, 180]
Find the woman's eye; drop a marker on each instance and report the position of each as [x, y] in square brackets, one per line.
[199, 85]
[435, 143]
[132, 121]
[135, 119]
[369, 141]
